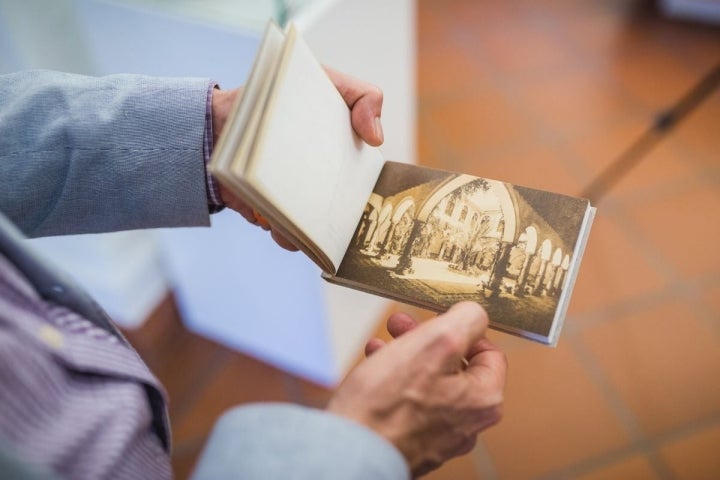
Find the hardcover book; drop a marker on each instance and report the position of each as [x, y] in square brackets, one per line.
[418, 235]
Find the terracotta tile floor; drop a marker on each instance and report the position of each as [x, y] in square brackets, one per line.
[632, 391]
[546, 93]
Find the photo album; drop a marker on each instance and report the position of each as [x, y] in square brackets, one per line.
[418, 235]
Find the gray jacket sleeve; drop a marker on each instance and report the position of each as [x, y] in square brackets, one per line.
[281, 441]
[81, 154]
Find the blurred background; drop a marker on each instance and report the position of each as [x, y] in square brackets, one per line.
[542, 93]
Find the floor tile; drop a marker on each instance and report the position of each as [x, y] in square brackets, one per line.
[435, 26]
[476, 122]
[241, 380]
[660, 360]
[307, 393]
[635, 468]
[460, 468]
[201, 360]
[444, 71]
[710, 298]
[554, 415]
[155, 338]
[185, 457]
[653, 166]
[571, 101]
[613, 270]
[661, 167]
[654, 76]
[594, 151]
[681, 226]
[427, 151]
[596, 33]
[522, 47]
[695, 456]
[696, 43]
[699, 132]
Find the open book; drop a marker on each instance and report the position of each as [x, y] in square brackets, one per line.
[417, 235]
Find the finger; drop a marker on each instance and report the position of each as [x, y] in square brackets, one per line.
[283, 242]
[236, 204]
[441, 343]
[365, 101]
[468, 320]
[244, 210]
[488, 364]
[373, 345]
[399, 323]
[261, 221]
[482, 345]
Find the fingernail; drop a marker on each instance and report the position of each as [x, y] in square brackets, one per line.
[379, 130]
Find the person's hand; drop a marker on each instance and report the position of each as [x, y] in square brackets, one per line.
[431, 391]
[365, 102]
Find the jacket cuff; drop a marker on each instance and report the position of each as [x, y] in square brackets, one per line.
[280, 441]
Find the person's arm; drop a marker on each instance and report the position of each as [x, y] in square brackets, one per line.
[412, 405]
[275, 441]
[82, 154]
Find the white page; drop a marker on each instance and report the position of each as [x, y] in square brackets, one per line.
[235, 142]
[307, 160]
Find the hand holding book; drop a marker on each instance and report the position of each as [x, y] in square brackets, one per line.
[414, 393]
[365, 103]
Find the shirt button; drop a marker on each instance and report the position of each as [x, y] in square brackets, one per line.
[51, 336]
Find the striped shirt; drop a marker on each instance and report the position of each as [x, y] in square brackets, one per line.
[75, 398]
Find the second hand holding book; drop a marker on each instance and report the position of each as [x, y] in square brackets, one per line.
[414, 234]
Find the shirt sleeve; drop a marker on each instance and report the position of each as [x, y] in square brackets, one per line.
[215, 203]
[279, 441]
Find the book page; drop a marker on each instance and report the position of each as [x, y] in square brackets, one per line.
[234, 145]
[307, 161]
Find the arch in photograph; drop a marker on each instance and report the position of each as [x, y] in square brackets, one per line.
[407, 203]
[375, 201]
[557, 257]
[383, 224]
[505, 201]
[546, 250]
[531, 239]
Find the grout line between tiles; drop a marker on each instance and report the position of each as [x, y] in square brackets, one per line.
[682, 286]
[675, 290]
[621, 410]
[687, 430]
[651, 447]
[649, 252]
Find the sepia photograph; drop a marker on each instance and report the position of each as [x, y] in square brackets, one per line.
[434, 238]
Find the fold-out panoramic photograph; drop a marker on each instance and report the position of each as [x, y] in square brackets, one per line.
[433, 238]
